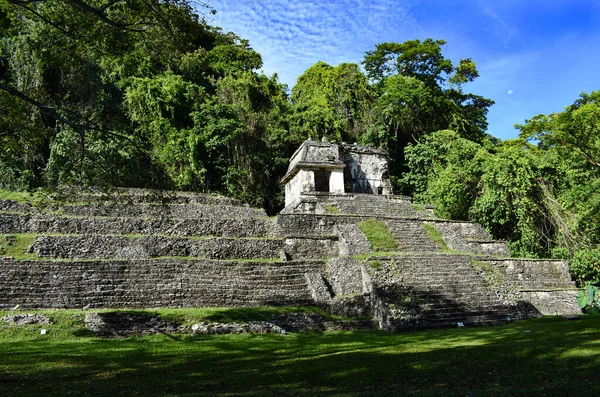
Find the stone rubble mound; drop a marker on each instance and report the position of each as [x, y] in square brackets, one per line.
[26, 319]
[252, 327]
[120, 324]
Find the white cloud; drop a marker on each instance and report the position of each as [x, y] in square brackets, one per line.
[292, 35]
[510, 92]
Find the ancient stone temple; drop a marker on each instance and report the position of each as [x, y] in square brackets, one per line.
[141, 249]
[331, 168]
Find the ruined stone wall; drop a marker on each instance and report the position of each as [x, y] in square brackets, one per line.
[366, 170]
[546, 284]
[153, 283]
[469, 237]
[211, 252]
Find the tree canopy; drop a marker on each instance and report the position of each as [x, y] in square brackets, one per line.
[146, 93]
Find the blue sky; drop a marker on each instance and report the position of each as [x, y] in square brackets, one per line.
[533, 56]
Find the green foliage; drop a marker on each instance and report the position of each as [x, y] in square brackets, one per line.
[445, 169]
[375, 265]
[533, 198]
[33, 198]
[419, 92]
[378, 235]
[589, 300]
[137, 94]
[507, 204]
[331, 102]
[585, 266]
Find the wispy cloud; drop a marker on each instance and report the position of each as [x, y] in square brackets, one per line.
[292, 35]
[506, 31]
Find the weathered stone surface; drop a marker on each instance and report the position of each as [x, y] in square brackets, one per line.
[366, 169]
[154, 283]
[418, 287]
[410, 236]
[352, 240]
[546, 284]
[312, 247]
[120, 324]
[344, 276]
[26, 319]
[120, 247]
[39, 223]
[179, 211]
[469, 237]
[253, 327]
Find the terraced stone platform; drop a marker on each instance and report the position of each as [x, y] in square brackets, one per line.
[148, 249]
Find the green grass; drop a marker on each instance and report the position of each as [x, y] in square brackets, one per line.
[33, 198]
[330, 209]
[16, 245]
[378, 235]
[436, 236]
[419, 207]
[550, 356]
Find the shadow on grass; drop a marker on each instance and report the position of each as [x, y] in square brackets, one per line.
[539, 357]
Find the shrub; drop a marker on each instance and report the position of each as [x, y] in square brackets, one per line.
[585, 266]
[588, 300]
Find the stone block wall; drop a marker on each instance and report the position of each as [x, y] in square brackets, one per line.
[546, 284]
[469, 237]
[120, 247]
[154, 283]
[60, 224]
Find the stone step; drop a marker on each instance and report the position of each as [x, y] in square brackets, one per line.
[39, 223]
[152, 283]
[141, 247]
[410, 236]
[122, 247]
[188, 210]
[128, 195]
[178, 211]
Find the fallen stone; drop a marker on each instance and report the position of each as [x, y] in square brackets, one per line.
[120, 324]
[26, 319]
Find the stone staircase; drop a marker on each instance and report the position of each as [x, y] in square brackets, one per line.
[439, 290]
[411, 236]
[466, 279]
[143, 249]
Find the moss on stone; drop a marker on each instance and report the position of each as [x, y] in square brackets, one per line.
[436, 236]
[378, 235]
[330, 209]
[17, 246]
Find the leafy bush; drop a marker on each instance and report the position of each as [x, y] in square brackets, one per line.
[588, 298]
[585, 266]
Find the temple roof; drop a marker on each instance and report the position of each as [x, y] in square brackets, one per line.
[314, 154]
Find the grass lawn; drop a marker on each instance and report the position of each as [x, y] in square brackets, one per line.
[549, 356]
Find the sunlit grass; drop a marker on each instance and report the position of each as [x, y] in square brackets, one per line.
[435, 235]
[17, 245]
[378, 235]
[33, 198]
